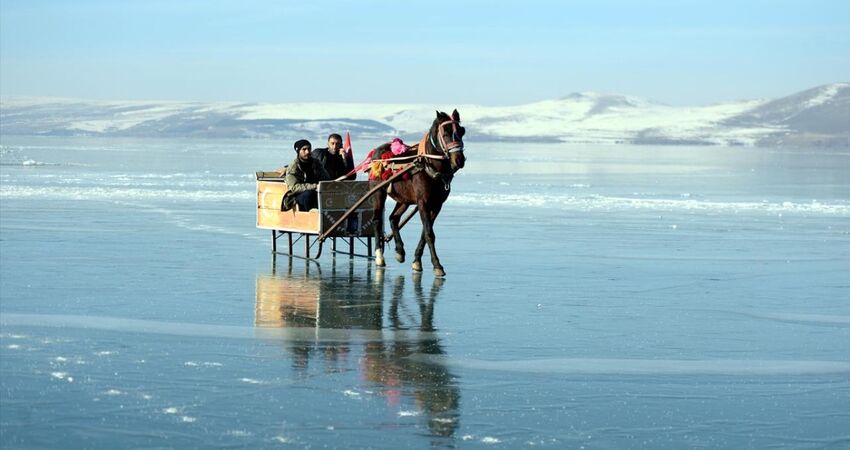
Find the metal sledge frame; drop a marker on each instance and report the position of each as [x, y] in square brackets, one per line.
[277, 234]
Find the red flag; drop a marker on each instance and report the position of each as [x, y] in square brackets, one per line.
[347, 146]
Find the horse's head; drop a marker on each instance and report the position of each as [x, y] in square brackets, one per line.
[447, 137]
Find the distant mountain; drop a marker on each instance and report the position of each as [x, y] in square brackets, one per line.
[815, 117]
[820, 115]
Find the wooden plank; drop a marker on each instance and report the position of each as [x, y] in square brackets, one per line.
[269, 215]
[269, 176]
[300, 222]
[272, 187]
[269, 200]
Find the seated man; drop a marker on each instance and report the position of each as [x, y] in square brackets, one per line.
[302, 179]
[335, 159]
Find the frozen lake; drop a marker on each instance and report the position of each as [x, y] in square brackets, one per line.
[596, 297]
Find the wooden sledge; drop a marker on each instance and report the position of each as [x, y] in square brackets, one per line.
[335, 202]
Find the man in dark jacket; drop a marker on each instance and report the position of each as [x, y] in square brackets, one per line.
[302, 179]
[334, 159]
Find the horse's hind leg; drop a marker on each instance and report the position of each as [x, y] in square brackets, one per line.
[395, 217]
[380, 202]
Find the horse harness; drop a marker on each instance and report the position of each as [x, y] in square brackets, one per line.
[420, 163]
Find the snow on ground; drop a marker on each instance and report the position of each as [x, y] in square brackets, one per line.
[578, 117]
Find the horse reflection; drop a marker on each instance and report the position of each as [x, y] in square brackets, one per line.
[387, 363]
[376, 345]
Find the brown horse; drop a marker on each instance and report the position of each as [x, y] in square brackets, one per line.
[427, 185]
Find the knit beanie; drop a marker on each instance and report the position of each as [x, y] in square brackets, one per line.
[302, 142]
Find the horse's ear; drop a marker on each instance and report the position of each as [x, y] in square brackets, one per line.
[456, 116]
[438, 113]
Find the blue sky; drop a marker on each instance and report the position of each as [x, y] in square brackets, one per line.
[441, 52]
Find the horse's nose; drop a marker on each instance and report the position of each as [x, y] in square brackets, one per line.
[459, 160]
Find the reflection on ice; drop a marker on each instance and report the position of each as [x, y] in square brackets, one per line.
[335, 301]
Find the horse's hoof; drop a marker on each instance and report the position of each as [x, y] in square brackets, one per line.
[417, 266]
[399, 257]
[379, 259]
[439, 272]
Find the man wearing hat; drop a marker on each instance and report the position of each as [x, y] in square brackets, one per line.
[302, 179]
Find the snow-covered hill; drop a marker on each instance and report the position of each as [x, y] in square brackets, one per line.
[818, 116]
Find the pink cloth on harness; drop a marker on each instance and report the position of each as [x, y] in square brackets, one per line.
[397, 147]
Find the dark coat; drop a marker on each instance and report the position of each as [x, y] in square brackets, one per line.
[336, 165]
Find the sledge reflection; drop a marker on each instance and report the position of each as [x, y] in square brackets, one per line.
[353, 331]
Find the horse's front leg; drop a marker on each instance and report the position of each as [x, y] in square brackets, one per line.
[380, 202]
[395, 218]
[428, 237]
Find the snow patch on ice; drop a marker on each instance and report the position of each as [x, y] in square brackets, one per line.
[238, 433]
[110, 193]
[352, 394]
[606, 203]
[62, 376]
[202, 364]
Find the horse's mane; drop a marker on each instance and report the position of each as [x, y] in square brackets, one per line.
[412, 150]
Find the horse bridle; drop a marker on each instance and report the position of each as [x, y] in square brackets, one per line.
[447, 148]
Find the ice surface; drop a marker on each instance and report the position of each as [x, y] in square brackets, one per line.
[596, 297]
